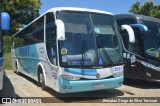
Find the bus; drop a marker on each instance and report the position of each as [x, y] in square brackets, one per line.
[4, 26]
[70, 49]
[142, 58]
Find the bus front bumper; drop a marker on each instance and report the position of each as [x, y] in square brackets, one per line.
[67, 86]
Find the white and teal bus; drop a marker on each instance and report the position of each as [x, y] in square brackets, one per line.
[71, 50]
[4, 26]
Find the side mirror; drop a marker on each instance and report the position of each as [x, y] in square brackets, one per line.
[5, 21]
[142, 27]
[60, 30]
[130, 32]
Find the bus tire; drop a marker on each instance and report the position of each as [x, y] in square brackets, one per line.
[41, 80]
[43, 83]
[16, 65]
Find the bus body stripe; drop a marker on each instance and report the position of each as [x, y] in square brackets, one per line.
[89, 72]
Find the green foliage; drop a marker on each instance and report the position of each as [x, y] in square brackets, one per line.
[7, 43]
[148, 9]
[7, 61]
[18, 42]
[21, 11]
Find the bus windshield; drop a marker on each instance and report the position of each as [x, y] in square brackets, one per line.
[92, 39]
[152, 39]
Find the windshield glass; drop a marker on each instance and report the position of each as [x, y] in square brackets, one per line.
[91, 39]
[152, 39]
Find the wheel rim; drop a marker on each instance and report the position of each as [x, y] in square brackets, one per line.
[40, 78]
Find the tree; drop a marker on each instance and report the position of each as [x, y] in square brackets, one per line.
[148, 9]
[21, 11]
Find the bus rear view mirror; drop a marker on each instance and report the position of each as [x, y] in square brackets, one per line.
[60, 30]
[142, 27]
[130, 32]
[5, 21]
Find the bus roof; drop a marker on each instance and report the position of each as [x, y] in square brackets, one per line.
[69, 9]
[138, 17]
[77, 9]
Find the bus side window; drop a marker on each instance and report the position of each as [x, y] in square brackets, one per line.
[125, 38]
[51, 38]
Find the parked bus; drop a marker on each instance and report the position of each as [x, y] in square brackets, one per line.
[71, 50]
[4, 26]
[143, 57]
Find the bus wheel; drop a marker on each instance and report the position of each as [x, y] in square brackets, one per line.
[41, 81]
[17, 72]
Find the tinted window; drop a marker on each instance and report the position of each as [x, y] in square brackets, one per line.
[34, 33]
[51, 38]
[91, 39]
[135, 47]
[152, 39]
[125, 21]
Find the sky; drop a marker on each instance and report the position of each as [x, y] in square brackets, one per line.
[113, 6]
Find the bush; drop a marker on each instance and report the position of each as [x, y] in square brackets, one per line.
[7, 61]
[7, 42]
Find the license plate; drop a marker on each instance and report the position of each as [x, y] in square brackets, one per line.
[117, 69]
[98, 85]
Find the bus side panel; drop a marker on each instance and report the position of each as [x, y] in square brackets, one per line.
[51, 75]
[151, 70]
[28, 59]
[49, 69]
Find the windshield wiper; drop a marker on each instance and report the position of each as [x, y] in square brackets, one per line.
[107, 55]
[104, 52]
[83, 48]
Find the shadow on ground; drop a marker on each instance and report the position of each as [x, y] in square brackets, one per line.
[142, 84]
[90, 96]
[8, 89]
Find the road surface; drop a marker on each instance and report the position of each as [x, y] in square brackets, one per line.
[21, 86]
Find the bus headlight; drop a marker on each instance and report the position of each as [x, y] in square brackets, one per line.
[118, 74]
[69, 77]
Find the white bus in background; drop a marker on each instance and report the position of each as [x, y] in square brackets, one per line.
[4, 25]
[71, 50]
